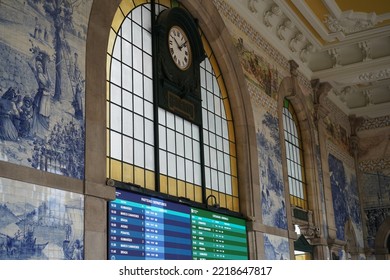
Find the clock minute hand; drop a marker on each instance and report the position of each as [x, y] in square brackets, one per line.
[177, 43]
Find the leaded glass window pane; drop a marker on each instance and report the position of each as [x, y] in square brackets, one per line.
[295, 164]
[179, 145]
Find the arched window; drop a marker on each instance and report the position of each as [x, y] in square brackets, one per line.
[294, 154]
[153, 148]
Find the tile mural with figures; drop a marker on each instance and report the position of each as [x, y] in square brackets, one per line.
[276, 247]
[271, 180]
[40, 223]
[42, 85]
[345, 199]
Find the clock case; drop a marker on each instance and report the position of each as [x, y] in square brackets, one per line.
[177, 90]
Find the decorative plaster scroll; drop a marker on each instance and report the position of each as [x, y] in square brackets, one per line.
[274, 10]
[332, 24]
[334, 55]
[368, 96]
[366, 50]
[305, 52]
[350, 21]
[347, 24]
[251, 6]
[374, 76]
[286, 24]
[298, 37]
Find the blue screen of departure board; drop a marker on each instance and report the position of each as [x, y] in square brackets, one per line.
[144, 227]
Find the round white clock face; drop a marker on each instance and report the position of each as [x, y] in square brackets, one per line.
[179, 47]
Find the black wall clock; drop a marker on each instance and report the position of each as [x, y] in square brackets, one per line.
[179, 47]
[178, 54]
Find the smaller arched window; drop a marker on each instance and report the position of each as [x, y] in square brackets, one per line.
[294, 155]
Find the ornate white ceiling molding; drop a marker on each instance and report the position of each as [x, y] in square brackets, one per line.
[350, 21]
[357, 65]
[367, 111]
[274, 10]
[370, 18]
[266, 18]
[342, 25]
[364, 71]
[375, 75]
[297, 23]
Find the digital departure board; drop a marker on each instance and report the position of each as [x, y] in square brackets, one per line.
[216, 236]
[144, 227]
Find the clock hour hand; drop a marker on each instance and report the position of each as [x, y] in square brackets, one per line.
[182, 45]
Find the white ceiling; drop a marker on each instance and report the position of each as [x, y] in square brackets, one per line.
[345, 43]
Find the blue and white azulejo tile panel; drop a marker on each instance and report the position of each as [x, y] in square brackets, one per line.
[276, 247]
[346, 203]
[42, 84]
[271, 173]
[40, 223]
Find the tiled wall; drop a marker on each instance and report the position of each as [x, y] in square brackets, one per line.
[276, 247]
[345, 197]
[271, 180]
[40, 223]
[42, 85]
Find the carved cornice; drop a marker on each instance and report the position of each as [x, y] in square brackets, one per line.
[375, 75]
[374, 165]
[374, 123]
[253, 33]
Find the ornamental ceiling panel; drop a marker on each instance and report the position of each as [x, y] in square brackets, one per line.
[343, 42]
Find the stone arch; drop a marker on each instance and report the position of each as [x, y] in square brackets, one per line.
[211, 23]
[95, 189]
[381, 240]
[290, 89]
